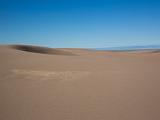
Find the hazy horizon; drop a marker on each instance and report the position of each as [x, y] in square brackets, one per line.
[80, 23]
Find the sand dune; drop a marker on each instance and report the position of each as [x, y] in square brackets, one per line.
[42, 50]
[38, 83]
[156, 51]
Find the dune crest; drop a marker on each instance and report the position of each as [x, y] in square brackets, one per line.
[41, 50]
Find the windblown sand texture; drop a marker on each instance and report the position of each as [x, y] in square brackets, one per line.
[38, 83]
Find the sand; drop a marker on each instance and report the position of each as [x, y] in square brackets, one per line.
[39, 83]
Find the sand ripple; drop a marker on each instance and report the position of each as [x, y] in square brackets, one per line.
[49, 75]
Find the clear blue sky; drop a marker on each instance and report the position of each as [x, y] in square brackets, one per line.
[80, 23]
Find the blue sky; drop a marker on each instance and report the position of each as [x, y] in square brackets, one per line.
[80, 23]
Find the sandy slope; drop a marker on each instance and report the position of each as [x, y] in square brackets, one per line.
[76, 84]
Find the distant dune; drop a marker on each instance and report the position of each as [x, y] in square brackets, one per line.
[39, 83]
[132, 48]
[42, 50]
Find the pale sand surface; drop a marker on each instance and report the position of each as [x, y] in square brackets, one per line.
[78, 84]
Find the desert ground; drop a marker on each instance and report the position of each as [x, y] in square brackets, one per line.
[38, 83]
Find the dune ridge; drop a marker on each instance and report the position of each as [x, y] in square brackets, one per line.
[41, 50]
